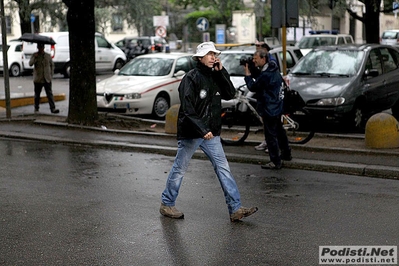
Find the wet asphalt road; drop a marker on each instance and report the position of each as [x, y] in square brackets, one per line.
[77, 205]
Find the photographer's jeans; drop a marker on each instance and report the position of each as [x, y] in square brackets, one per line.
[214, 151]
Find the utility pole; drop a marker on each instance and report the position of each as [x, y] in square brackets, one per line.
[5, 60]
[284, 36]
[284, 13]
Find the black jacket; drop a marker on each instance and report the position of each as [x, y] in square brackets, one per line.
[201, 91]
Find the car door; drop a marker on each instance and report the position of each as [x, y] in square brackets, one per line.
[103, 53]
[390, 60]
[374, 87]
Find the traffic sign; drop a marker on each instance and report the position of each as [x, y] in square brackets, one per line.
[32, 18]
[395, 6]
[202, 24]
[160, 31]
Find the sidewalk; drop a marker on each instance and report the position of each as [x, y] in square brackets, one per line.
[325, 152]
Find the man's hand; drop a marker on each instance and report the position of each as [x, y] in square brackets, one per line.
[217, 66]
[247, 71]
[208, 136]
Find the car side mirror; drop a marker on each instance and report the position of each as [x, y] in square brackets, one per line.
[371, 72]
[179, 73]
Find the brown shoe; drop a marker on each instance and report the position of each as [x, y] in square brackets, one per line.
[171, 211]
[242, 212]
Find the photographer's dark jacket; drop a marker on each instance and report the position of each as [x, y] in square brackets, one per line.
[268, 90]
[201, 91]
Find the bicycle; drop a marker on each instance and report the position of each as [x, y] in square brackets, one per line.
[239, 115]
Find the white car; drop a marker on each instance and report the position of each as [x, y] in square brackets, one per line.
[308, 42]
[14, 58]
[108, 57]
[147, 85]
[390, 37]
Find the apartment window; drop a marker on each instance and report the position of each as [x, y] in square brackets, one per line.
[8, 24]
[117, 22]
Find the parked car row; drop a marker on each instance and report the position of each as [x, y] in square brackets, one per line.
[343, 83]
[148, 84]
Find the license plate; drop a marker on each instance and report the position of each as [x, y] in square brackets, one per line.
[299, 113]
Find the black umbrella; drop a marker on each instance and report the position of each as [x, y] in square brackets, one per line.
[36, 38]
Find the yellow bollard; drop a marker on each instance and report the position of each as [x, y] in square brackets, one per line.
[382, 132]
[171, 119]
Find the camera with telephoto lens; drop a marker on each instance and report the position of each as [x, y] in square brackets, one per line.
[246, 60]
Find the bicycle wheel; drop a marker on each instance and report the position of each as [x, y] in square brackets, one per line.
[233, 132]
[295, 134]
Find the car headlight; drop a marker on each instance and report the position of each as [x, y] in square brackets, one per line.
[331, 101]
[133, 96]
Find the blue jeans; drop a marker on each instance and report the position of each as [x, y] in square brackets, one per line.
[214, 151]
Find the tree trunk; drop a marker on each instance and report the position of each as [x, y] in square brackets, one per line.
[372, 21]
[82, 83]
[24, 16]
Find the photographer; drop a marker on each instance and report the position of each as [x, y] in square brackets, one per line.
[268, 88]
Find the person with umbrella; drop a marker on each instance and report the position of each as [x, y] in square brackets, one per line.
[42, 76]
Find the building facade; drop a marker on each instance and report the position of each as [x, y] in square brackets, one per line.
[115, 28]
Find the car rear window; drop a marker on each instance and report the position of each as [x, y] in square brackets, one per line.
[390, 35]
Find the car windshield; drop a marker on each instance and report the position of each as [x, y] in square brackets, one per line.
[147, 67]
[232, 63]
[330, 62]
[311, 42]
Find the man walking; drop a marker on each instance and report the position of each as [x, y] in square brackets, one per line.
[199, 125]
[42, 76]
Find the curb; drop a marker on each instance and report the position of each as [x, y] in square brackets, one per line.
[358, 169]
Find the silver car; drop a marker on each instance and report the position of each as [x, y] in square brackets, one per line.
[348, 83]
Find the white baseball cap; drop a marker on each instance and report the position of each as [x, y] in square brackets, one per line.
[204, 48]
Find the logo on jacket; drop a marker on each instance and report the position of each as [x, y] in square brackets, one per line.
[203, 94]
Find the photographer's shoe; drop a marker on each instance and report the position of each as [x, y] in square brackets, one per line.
[271, 165]
[261, 147]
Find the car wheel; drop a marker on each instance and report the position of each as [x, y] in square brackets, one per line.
[15, 70]
[67, 70]
[161, 106]
[118, 64]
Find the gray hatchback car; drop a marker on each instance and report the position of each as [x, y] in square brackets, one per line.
[348, 83]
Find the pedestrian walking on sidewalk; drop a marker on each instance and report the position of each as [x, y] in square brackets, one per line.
[42, 76]
[268, 88]
[199, 126]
